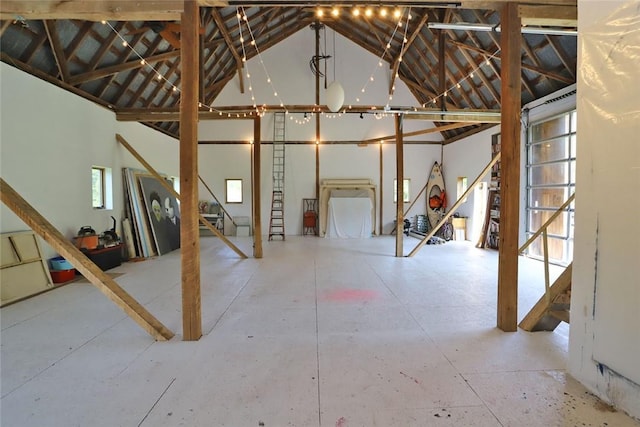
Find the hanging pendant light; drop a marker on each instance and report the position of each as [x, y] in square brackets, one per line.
[334, 96]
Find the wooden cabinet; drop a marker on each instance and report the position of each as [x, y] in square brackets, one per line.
[23, 271]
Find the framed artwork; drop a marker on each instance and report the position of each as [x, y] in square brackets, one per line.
[163, 212]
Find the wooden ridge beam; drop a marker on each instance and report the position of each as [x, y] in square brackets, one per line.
[173, 192]
[84, 265]
[117, 10]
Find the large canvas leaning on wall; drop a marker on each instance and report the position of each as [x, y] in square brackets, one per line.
[163, 213]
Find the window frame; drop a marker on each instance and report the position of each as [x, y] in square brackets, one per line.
[103, 187]
[229, 182]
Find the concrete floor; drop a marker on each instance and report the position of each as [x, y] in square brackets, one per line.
[317, 333]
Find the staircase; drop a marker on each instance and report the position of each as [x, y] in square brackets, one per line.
[276, 222]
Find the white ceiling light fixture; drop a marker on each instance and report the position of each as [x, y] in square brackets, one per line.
[466, 26]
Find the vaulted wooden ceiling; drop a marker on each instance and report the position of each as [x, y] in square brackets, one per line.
[89, 58]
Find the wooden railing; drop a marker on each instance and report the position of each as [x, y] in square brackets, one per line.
[545, 245]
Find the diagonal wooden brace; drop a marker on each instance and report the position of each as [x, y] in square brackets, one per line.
[84, 265]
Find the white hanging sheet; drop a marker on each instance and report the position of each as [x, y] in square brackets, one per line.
[349, 218]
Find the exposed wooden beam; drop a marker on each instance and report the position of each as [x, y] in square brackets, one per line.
[57, 50]
[257, 218]
[247, 112]
[115, 69]
[525, 66]
[410, 40]
[511, 40]
[545, 15]
[117, 10]
[189, 231]
[417, 132]
[229, 41]
[84, 265]
[399, 186]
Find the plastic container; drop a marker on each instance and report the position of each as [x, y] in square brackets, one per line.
[59, 263]
[61, 276]
[86, 242]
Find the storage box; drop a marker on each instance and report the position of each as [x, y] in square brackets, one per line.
[243, 227]
[106, 258]
[61, 276]
[59, 263]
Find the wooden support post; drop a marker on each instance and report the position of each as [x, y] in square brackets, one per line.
[317, 103]
[189, 231]
[173, 192]
[511, 40]
[399, 186]
[84, 265]
[381, 187]
[257, 219]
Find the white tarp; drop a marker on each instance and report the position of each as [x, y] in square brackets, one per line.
[349, 218]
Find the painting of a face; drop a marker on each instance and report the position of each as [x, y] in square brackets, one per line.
[157, 209]
[168, 208]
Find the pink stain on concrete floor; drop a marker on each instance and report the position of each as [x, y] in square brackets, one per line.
[351, 295]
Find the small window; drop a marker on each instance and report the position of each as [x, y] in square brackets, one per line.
[462, 187]
[98, 187]
[234, 190]
[405, 191]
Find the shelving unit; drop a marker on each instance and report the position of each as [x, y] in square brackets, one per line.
[490, 236]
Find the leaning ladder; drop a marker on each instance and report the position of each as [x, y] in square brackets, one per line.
[276, 222]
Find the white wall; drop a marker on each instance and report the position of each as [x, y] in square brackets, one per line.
[468, 157]
[605, 298]
[51, 138]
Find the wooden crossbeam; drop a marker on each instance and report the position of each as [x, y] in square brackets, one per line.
[117, 10]
[550, 309]
[173, 192]
[84, 265]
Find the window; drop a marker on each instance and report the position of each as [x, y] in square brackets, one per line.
[405, 191]
[234, 190]
[461, 187]
[551, 164]
[98, 187]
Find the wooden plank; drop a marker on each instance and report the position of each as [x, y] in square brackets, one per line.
[58, 51]
[117, 10]
[551, 16]
[417, 132]
[257, 217]
[533, 321]
[399, 186]
[173, 192]
[189, 231]
[381, 192]
[84, 265]
[511, 45]
[455, 206]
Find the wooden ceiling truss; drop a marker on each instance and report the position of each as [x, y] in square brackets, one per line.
[88, 58]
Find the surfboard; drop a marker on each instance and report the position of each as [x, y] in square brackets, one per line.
[436, 202]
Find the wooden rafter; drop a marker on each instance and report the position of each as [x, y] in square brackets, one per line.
[58, 51]
[83, 30]
[410, 40]
[227, 38]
